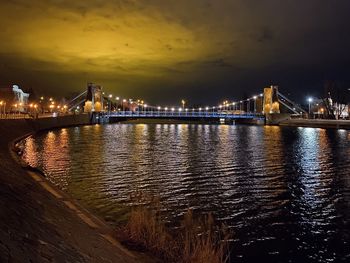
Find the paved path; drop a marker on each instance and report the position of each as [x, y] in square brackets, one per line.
[39, 223]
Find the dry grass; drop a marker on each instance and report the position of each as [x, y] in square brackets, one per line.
[196, 241]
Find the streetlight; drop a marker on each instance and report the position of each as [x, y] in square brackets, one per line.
[124, 100]
[309, 100]
[183, 103]
[255, 97]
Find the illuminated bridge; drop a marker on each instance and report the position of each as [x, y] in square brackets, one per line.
[270, 105]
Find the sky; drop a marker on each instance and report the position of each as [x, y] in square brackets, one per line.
[163, 51]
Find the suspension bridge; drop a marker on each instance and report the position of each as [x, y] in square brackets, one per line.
[255, 109]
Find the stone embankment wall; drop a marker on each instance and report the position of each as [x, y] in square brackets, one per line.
[40, 223]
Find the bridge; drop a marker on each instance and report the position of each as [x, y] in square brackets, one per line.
[255, 109]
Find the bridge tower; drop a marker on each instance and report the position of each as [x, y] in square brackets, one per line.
[94, 98]
[271, 102]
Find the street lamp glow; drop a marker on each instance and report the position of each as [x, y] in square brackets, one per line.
[110, 96]
[158, 108]
[200, 109]
[172, 109]
[180, 109]
[310, 99]
[255, 97]
[206, 108]
[117, 98]
[166, 108]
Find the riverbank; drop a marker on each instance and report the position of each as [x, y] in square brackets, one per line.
[40, 223]
[317, 123]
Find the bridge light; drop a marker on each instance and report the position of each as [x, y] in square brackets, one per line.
[309, 99]
[166, 108]
[172, 109]
[233, 103]
[206, 108]
[186, 109]
[145, 105]
[220, 106]
[110, 96]
[42, 97]
[117, 98]
[261, 94]
[158, 108]
[180, 109]
[200, 109]
[255, 97]
[124, 100]
[213, 108]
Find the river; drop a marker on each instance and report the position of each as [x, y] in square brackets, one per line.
[284, 192]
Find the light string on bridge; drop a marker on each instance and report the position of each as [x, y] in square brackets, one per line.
[140, 105]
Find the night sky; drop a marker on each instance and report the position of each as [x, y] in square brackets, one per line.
[163, 51]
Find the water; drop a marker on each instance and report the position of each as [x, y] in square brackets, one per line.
[284, 192]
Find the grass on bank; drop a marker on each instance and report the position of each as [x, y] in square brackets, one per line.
[195, 241]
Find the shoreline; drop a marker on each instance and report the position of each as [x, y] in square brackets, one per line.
[317, 123]
[38, 221]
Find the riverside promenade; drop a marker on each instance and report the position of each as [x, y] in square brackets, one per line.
[40, 223]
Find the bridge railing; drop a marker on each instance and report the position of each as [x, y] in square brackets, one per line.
[182, 114]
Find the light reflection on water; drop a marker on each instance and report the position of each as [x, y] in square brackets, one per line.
[285, 192]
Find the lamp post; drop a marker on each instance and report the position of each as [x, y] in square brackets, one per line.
[309, 100]
[255, 97]
[109, 102]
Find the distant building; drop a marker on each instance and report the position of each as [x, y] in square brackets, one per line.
[14, 97]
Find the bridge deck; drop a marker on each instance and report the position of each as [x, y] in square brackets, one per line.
[182, 114]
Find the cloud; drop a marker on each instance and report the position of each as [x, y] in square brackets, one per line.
[163, 41]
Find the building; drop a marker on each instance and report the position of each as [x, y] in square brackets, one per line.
[14, 98]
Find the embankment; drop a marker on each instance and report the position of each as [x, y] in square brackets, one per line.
[38, 222]
[317, 123]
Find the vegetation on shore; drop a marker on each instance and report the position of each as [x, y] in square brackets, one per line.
[195, 240]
